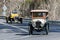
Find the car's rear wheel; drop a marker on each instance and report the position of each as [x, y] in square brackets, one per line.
[46, 29]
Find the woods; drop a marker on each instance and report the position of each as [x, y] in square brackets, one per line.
[24, 6]
[52, 5]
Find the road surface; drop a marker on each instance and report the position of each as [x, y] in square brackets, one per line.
[17, 31]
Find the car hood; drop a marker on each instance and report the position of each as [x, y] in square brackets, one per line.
[43, 21]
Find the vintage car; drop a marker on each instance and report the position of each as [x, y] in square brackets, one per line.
[39, 21]
[14, 16]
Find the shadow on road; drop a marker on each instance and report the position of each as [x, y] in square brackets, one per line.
[31, 34]
[17, 24]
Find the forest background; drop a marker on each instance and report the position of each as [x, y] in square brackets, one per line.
[25, 6]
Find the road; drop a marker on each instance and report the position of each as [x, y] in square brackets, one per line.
[17, 31]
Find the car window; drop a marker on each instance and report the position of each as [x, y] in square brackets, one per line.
[38, 14]
[14, 12]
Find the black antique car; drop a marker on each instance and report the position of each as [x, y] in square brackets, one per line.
[39, 21]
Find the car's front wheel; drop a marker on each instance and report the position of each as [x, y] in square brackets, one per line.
[21, 20]
[30, 30]
[6, 20]
[11, 19]
[47, 29]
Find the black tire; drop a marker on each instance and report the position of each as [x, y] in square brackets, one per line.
[48, 26]
[30, 30]
[21, 20]
[11, 21]
[6, 20]
[47, 29]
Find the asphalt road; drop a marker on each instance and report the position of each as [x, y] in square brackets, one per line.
[17, 31]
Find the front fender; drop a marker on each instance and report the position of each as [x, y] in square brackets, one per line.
[30, 23]
[46, 24]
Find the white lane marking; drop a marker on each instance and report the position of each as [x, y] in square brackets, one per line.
[25, 37]
[18, 28]
[14, 26]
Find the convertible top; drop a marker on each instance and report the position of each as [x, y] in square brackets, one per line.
[39, 10]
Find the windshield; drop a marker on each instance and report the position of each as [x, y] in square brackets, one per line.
[37, 14]
[14, 12]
